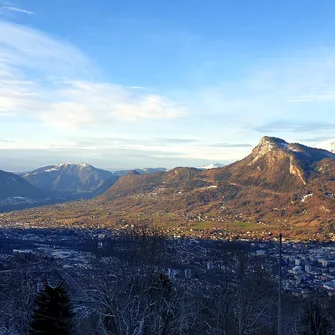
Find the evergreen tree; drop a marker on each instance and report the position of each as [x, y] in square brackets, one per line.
[53, 313]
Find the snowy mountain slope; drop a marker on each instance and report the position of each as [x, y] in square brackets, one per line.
[327, 145]
[210, 166]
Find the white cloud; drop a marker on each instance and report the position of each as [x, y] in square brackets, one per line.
[74, 104]
[189, 151]
[43, 78]
[25, 51]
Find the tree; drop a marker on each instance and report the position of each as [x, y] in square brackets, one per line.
[17, 293]
[316, 320]
[53, 313]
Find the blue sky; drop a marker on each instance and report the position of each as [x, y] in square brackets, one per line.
[131, 84]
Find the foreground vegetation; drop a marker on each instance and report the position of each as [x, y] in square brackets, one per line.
[139, 283]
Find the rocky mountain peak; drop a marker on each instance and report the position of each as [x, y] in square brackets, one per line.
[273, 146]
[274, 154]
[268, 144]
[74, 165]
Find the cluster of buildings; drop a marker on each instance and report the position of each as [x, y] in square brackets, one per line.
[306, 267]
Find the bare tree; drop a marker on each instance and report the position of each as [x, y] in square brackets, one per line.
[316, 320]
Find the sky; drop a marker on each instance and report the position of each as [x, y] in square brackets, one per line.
[134, 84]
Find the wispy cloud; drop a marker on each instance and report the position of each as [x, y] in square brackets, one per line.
[177, 140]
[298, 127]
[232, 145]
[314, 140]
[46, 79]
[294, 88]
[6, 141]
[160, 148]
[28, 53]
[115, 151]
[19, 10]
[110, 141]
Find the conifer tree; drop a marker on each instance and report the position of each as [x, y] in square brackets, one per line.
[53, 313]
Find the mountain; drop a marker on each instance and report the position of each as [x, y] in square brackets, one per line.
[69, 178]
[211, 166]
[279, 186]
[278, 182]
[327, 145]
[275, 164]
[175, 180]
[13, 186]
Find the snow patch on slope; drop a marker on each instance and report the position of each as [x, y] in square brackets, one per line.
[65, 165]
[305, 197]
[211, 166]
[328, 145]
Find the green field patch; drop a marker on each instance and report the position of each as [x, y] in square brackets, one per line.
[245, 226]
[204, 225]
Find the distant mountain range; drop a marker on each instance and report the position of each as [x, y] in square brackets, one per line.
[273, 164]
[54, 183]
[277, 180]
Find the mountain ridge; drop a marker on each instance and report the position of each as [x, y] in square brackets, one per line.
[269, 184]
[279, 185]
